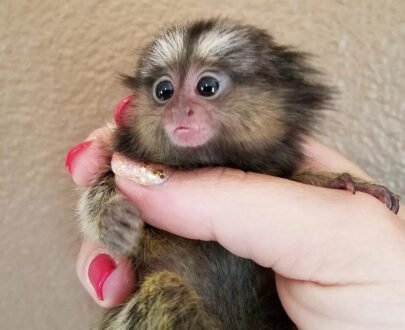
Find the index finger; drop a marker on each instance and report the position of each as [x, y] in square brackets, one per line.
[88, 158]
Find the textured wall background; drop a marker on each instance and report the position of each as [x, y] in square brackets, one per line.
[58, 80]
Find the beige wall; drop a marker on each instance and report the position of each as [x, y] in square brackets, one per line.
[58, 80]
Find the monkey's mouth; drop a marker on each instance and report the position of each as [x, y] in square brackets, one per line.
[190, 136]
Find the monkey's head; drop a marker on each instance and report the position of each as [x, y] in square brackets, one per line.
[219, 93]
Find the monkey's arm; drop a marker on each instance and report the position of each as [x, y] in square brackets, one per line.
[347, 182]
[106, 216]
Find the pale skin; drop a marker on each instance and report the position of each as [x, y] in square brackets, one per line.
[338, 257]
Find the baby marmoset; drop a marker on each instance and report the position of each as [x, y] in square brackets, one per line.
[209, 93]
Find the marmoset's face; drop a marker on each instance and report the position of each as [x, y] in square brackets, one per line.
[200, 85]
[189, 106]
[214, 88]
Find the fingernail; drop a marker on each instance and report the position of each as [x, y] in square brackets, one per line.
[73, 152]
[142, 173]
[99, 269]
[121, 109]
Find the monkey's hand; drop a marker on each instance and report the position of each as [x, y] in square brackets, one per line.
[106, 216]
[346, 181]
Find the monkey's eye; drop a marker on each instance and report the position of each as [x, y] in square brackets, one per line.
[163, 90]
[207, 86]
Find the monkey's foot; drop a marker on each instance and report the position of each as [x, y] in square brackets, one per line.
[346, 182]
[121, 226]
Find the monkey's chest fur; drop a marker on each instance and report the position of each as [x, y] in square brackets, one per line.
[190, 284]
[186, 284]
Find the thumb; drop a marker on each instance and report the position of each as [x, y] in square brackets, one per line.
[176, 201]
[211, 204]
[250, 215]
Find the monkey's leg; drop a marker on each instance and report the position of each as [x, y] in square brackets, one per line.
[163, 302]
[347, 182]
[106, 216]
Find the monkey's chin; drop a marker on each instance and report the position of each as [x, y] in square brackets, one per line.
[189, 137]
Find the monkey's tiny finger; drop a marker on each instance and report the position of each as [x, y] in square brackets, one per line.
[395, 204]
[345, 182]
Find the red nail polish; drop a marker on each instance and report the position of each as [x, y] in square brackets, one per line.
[120, 110]
[73, 152]
[100, 268]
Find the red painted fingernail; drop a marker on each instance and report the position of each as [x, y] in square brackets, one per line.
[100, 268]
[73, 152]
[120, 110]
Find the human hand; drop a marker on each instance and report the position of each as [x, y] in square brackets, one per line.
[108, 277]
[338, 257]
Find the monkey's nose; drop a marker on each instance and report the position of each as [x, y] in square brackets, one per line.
[190, 112]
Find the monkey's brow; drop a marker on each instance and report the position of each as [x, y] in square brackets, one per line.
[154, 73]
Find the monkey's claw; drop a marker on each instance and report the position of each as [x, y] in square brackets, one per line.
[346, 182]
